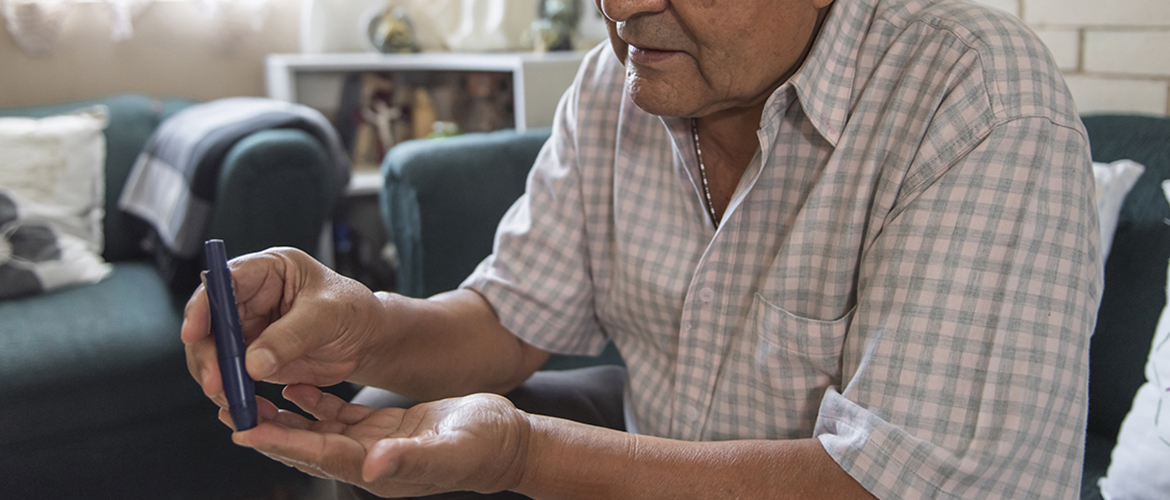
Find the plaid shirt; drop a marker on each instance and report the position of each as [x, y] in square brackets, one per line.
[907, 271]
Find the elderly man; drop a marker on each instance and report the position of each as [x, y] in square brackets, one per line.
[846, 249]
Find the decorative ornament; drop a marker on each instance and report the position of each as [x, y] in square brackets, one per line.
[393, 33]
[482, 27]
[556, 27]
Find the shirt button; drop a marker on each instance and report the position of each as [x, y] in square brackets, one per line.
[706, 295]
[691, 413]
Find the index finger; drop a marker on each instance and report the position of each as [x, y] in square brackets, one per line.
[196, 317]
[335, 454]
[200, 348]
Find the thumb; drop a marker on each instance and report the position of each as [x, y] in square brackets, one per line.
[284, 341]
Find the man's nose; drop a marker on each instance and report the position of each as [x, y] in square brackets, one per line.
[620, 10]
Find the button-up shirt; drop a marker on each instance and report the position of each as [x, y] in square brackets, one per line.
[907, 270]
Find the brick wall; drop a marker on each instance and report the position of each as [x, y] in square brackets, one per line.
[1115, 53]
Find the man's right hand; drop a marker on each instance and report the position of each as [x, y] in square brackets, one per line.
[303, 323]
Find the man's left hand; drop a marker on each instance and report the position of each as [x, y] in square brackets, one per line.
[475, 443]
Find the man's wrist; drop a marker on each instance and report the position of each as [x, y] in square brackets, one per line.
[566, 459]
[532, 461]
[374, 355]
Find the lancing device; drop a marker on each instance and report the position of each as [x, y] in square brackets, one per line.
[229, 338]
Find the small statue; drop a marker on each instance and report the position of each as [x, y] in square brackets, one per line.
[393, 33]
[556, 27]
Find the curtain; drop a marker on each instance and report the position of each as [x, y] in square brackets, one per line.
[233, 21]
[35, 25]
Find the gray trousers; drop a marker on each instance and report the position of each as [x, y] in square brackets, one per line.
[589, 395]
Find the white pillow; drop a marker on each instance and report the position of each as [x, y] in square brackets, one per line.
[1140, 465]
[1114, 181]
[51, 201]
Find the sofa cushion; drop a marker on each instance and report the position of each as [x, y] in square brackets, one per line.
[111, 348]
[1139, 462]
[1114, 180]
[132, 120]
[51, 193]
[1136, 270]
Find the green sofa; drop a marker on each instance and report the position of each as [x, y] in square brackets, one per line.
[96, 398]
[440, 202]
[442, 199]
[1135, 282]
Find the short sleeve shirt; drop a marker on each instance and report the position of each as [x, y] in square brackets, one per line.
[907, 271]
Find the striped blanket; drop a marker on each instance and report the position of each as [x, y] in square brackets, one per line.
[173, 183]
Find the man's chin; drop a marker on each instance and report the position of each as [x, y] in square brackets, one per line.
[661, 102]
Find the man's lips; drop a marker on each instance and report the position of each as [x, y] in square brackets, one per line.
[650, 55]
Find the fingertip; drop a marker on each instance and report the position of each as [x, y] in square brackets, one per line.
[226, 417]
[265, 409]
[190, 331]
[242, 438]
[196, 323]
[302, 393]
[213, 388]
[261, 363]
[255, 437]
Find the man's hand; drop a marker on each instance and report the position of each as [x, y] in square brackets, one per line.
[475, 443]
[302, 322]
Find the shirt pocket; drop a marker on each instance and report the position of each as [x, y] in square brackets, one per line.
[795, 352]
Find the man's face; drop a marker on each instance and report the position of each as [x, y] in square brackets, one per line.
[696, 57]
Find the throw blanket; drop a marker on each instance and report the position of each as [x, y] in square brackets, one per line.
[173, 183]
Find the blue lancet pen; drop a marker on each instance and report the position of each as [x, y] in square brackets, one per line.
[229, 338]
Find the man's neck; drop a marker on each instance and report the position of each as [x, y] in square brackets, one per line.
[732, 132]
[728, 137]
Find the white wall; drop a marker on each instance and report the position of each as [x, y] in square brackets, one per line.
[1115, 53]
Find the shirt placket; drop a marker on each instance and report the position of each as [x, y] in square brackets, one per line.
[703, 337]
[698, 344]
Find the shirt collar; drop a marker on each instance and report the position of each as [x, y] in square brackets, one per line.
[824, 83]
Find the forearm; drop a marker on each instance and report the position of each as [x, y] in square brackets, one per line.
[570, 461]
[448, 345]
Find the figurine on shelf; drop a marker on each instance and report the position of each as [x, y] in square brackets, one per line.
[383, 115]
[557, 25]
[391, 32]
[487, 101]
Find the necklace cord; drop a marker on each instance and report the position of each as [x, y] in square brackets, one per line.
[703, 171]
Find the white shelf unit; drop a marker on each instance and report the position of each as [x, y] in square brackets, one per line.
[538, 80]
[316, 80]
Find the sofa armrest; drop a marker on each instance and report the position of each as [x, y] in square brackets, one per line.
[442, 200]
[276, 188]
[441, 203]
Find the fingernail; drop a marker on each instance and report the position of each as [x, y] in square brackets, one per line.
[262, 362]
